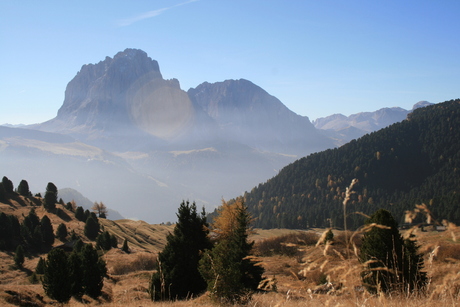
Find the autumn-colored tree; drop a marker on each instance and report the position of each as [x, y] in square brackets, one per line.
[100, 209]
[230, 272]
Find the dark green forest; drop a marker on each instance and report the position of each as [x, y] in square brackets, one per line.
[412, 162]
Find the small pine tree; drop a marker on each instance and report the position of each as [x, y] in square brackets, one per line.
[50, 197]
[23, 188]
[61, 232]
[91, 228]
[40, 268]
[3, 194]
[178, 276]
[56, 281]
[113, 241]
[104, 241]
[93, 271]
[76, 274]
[19, 256]
[391, 264]
[80, 214]
[8, 185]
[47, 231]
[125, 246]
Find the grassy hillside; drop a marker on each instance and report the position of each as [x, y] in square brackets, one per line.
[299, 271]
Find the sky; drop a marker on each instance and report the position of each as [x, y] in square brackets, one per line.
[318, 57]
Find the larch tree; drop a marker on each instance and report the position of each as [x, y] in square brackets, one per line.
[100, 209]
[230, 271]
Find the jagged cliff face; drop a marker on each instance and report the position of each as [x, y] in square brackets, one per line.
[123, 103]
[123, 96]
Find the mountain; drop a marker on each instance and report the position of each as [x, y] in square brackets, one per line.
[408, 163]
[141, 144]
[247, 114]
[344, 129]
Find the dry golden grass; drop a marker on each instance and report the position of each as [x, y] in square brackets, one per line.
[299, 279]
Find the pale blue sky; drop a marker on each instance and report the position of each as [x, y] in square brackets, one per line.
[317, 57]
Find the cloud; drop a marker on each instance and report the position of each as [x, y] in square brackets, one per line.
[149, 14]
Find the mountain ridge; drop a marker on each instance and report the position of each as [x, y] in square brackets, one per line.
[338, 126]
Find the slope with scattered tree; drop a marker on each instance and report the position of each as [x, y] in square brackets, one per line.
[412, 162]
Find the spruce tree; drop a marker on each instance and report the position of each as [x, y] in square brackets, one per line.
[3, 194]
[76, 274]
[391, 264]
[40, 268]
[56, 281]
[178, 276]
[92, 228]
[93, 271]
[61, 232]
[125, 246]
[23, 188]
[8, 185]
[80, 214]
[19, 256]
[47, 231]
[50, 197]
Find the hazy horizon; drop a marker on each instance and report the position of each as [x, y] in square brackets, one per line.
[318, 58]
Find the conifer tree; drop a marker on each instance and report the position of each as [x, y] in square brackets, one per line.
[19, 256]
[76, 273]
[8, 185]
[23, 188]
[56, 281]
[178, 276]
[3, 195]
[91, 228]
[80, 214]
[50, 197]
[40, 268]
[230, 274]
[93, 271]
[61, 232]
[125, 246]
[47, 231]
[391, 264]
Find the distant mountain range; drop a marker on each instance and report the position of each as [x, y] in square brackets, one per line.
[343, 128]
[141, 144]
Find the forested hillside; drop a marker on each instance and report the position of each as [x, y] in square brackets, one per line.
[412, 162]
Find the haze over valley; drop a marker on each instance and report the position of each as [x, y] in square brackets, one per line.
[141, 144]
